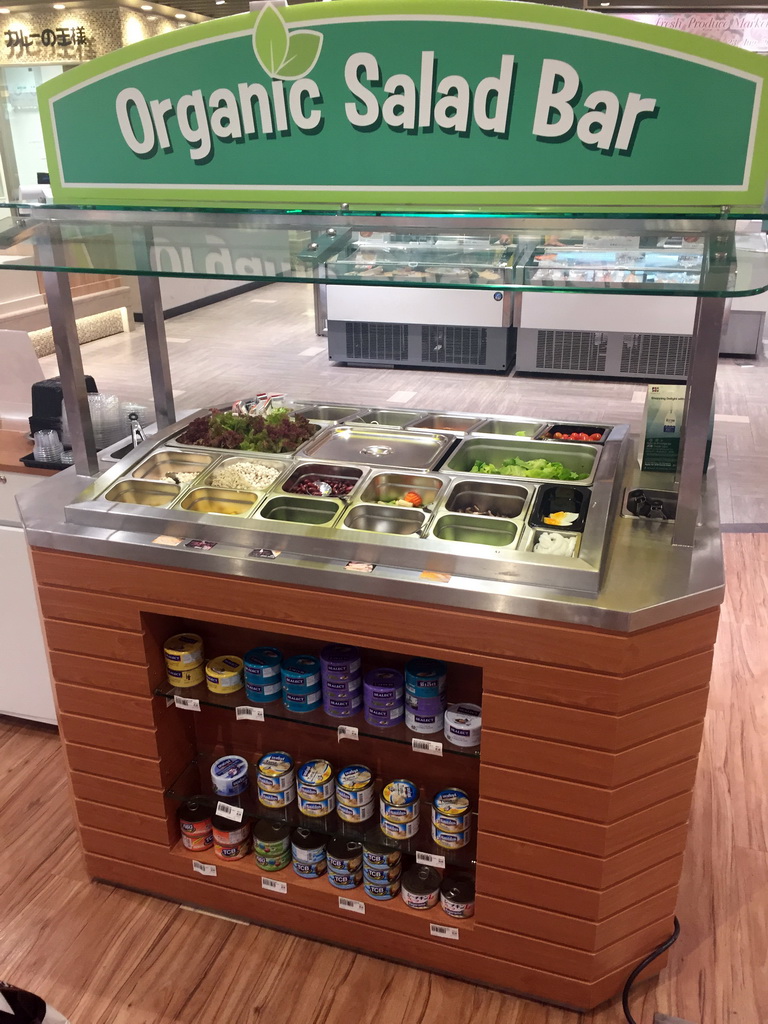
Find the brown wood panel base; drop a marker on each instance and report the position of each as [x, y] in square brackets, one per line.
[589, 750]
[353, 932]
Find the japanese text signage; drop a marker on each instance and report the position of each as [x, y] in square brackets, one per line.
[18, 40]
[432, 102]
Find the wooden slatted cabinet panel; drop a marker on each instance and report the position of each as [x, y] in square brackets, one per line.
[583, 784]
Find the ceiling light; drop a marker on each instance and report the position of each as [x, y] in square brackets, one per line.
[146, 7]
[605, 3]
[181, 17]
[220, 2]
[5, 10]
[59, 7]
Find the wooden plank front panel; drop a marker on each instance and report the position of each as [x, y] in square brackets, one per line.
[598, 804]
[582, 764]
[576, 900]
[580, 869]
[587, 762]
[285, 607]
[593, 690]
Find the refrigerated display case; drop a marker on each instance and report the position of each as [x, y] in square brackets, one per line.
[437, 329]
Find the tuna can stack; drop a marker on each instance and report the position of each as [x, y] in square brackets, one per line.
[225, 674]
[302, 690]
[316, 788]
[272, 845]
[276, 779]
[184, 660]
[451, 819]
[384, 696]
[425, 695]
[382, 867]
[342, 681]
[262, 675]
[355, 801]
[308, 852]
[399, 808]
[345, 863]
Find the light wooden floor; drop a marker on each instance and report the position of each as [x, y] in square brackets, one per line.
[105, 956]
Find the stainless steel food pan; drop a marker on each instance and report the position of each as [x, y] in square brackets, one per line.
[384, 519]
[219, 500]
[488, 496]
[143, 492]
[307, 511]
[378, 446]
[462, 529]
[579, 458]
[388, 487]
[161, 464]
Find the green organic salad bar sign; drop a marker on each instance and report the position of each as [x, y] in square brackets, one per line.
[427, 103]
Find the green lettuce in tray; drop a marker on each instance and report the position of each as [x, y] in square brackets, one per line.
[539, 468]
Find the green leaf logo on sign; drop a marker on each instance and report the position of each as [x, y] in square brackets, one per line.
[284, 55]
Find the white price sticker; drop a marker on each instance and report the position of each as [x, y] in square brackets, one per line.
[347, 732]
[204, 869]
[244, 711]
[427, 747]
[355, 906]
[186, 703]
[273, 885]
[229, 811]
[433, 859]
[441, 931]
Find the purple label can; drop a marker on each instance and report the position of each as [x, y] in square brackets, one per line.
[340, 660]
[341, 707]
[384, 718]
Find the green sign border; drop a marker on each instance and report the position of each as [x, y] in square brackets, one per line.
[672, 41]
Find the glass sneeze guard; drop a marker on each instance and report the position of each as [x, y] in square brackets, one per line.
[652, 254]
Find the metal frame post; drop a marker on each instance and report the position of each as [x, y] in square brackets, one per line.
[708, 327]
[66, 343]
[157, 350]
[320, 295]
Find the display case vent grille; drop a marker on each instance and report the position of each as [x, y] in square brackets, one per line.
[454, 346]
[571, 350]
[384, 343]
[655, 355]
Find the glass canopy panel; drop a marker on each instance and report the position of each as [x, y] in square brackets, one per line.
[624, 252]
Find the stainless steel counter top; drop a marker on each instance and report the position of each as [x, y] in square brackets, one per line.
[647, 581]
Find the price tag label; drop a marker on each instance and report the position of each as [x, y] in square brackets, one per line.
[245, 711]
[204, 869]
[427, 747]
[186, 703]
[442, 931]
[348, 732]
[433, 859]
[229, 811]
[273, 885]
[354, 906]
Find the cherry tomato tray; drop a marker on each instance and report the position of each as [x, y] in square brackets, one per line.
[585, 431]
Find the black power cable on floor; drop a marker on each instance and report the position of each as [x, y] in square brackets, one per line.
[641, 967]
